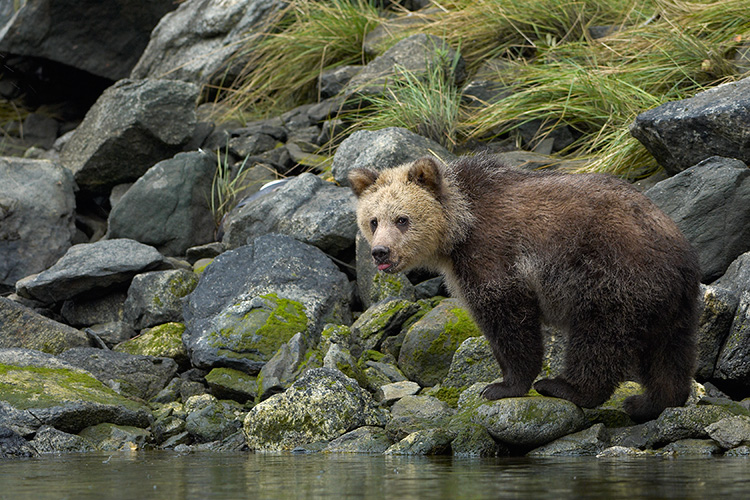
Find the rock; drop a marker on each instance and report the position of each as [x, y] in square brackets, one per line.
[128, 374]
[209, 419]
[432, 341]
[382, 149]
[133, 125]
[366, 439]
[529, 421]
[588, 442]
[622, 451]
[376, 286]
[424, 442]
[162, 341]
[87, 311]
[413, 413]
[306, 208]
[719, 307]
[730, 432]
[111, 437]
[474, 441]
[90, 267]
[292, 358]
[36, 205]
[687, 422]
[712, 123]
[226, 383]
[693, 447]
[111, 334]
[339, 358]
[38, 389]
[710, 202]
[253, 299]
[332, 81]
[13, 445]
[390, 393]
[156, 297]
[472, 361]
[102, 38]
[381, 320]
[737, 275]
[733, 363]
[320, 406]
[201, 37]
[169, 206]
[22, 327]
[49, 440]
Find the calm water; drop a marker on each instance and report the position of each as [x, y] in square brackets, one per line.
[165, 475]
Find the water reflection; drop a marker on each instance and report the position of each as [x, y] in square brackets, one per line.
[167, 475]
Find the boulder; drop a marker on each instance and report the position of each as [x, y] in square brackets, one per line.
[286, 365]
[381, 320]
[473, 361]
[133, 125]
[719, 307]
[588, 442]
[710, 202]
[162, 341]
[306, 208]
[169, 207]
[733, 363]
[737, 276]
[730, 432]
[111, 437]
[226, 383]
[367, 439]
[37, 201]
[320, 406]
[209, 419]
[424, 442]
[87, 311]
[90, 266]
[712, 123]
[50, 440]
[156, 297]
[688, 422]
[253, 299]
[414, 413]
[22, 327]
[101, 38]
[13, 445]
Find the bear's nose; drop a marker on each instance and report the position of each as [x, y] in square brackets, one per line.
[381, 253]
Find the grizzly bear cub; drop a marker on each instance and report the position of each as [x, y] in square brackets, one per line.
[585, 253]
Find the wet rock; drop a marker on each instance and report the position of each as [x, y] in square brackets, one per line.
[376, 286]
[111, 437]
[474, 441]
[710, 202]
[209, 419]
[127, 374]
[692, 447]
[381, 320]
[253, 299]
[719, 307]
[90, 266]
[530, 421]
[635, 436]
[424, 442]
[320, 406]
[36, 205]
[687, 422]
[38, 389]
[730, 432]
[382, 149]
[226, 383]
[733, 364]
[13, 445]
[712, 123]
[414, 413]
[24, 328]
[162, 341]
[169, 206]
[306, 208]
[133, 125]
[50, 440]
[432, 341]
[366, 439]
[588, 442]
[156, 297]
[622, 451]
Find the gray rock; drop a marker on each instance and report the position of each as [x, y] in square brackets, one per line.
[737, 276]
[730, 432]
[588, 442]
[712, 123]
[112, 437]
[366, 439]
[306, 208]
[22, 327]
[50, 440]
[474, 441]
[90, 266]
[13, 445]
[102, 38]
[382, 149]
[36, 205]
[710, 202]
[278, 279]
[390, 393]
[94, 310]
[529, 421]
[431, 342]
[472, 361]
[169, 206]
[201, 37]
[376, 286]
[424, 442]
[133, 125]
[127, 374]
[413, 413]
[635, 436]
[381, 320]
[156, 297]
[209, 419]
[339, 358]
[333, 81]
[688, 422]
[320, 406]
[285, 366]
[733, 364]
[719, 307]
[693, 447]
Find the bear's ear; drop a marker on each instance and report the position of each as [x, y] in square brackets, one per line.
[426, 173]
[362, 178]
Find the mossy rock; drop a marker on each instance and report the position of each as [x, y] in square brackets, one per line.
[161, 341]
[381, 320]
[227, 383]
[111, 437]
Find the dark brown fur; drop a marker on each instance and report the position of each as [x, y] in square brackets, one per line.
[585, 253]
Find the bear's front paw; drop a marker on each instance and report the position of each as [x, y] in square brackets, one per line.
[501, 390]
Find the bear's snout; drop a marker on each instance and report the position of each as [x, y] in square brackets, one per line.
[382, 257]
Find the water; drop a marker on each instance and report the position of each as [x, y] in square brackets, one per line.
[166, 475]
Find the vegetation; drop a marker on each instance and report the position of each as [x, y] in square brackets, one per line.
[556, 72]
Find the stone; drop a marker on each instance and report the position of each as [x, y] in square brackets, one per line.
[226, 383]
[90, 267]
[169, 207]
[390, 393]
[366, 439]
[692, 447]
[13, 445]
[37, 202]
[286, 365]
[111, 437]
[730, 432]
[50, 440]
[382, 319]
[472, 361]
[473, 441]
[733, 363]
[588, 442]
[719, 307]
[162, 341]
[687, 422]
[710, 202]
[156, 297]
[413, 413]
[87, 311]
[737, 275]
[133, 125]
[339, 358]
[424, 442]
[681, 133]
[209, 419]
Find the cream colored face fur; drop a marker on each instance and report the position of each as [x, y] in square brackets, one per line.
[402, 216]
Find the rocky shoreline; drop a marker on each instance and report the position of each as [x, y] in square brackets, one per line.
[131, 317]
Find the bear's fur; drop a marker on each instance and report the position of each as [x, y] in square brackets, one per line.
[586, 253]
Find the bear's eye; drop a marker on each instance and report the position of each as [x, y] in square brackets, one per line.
[373, 225]
[402, 221]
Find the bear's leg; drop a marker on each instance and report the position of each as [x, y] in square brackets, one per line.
[515, 337]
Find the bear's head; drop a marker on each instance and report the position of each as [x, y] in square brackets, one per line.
[401, 214]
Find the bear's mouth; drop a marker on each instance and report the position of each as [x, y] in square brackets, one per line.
[387, 267]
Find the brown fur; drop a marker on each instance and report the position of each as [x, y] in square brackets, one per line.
[585, 253]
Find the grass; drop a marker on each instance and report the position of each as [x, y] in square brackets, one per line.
[657, 51]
